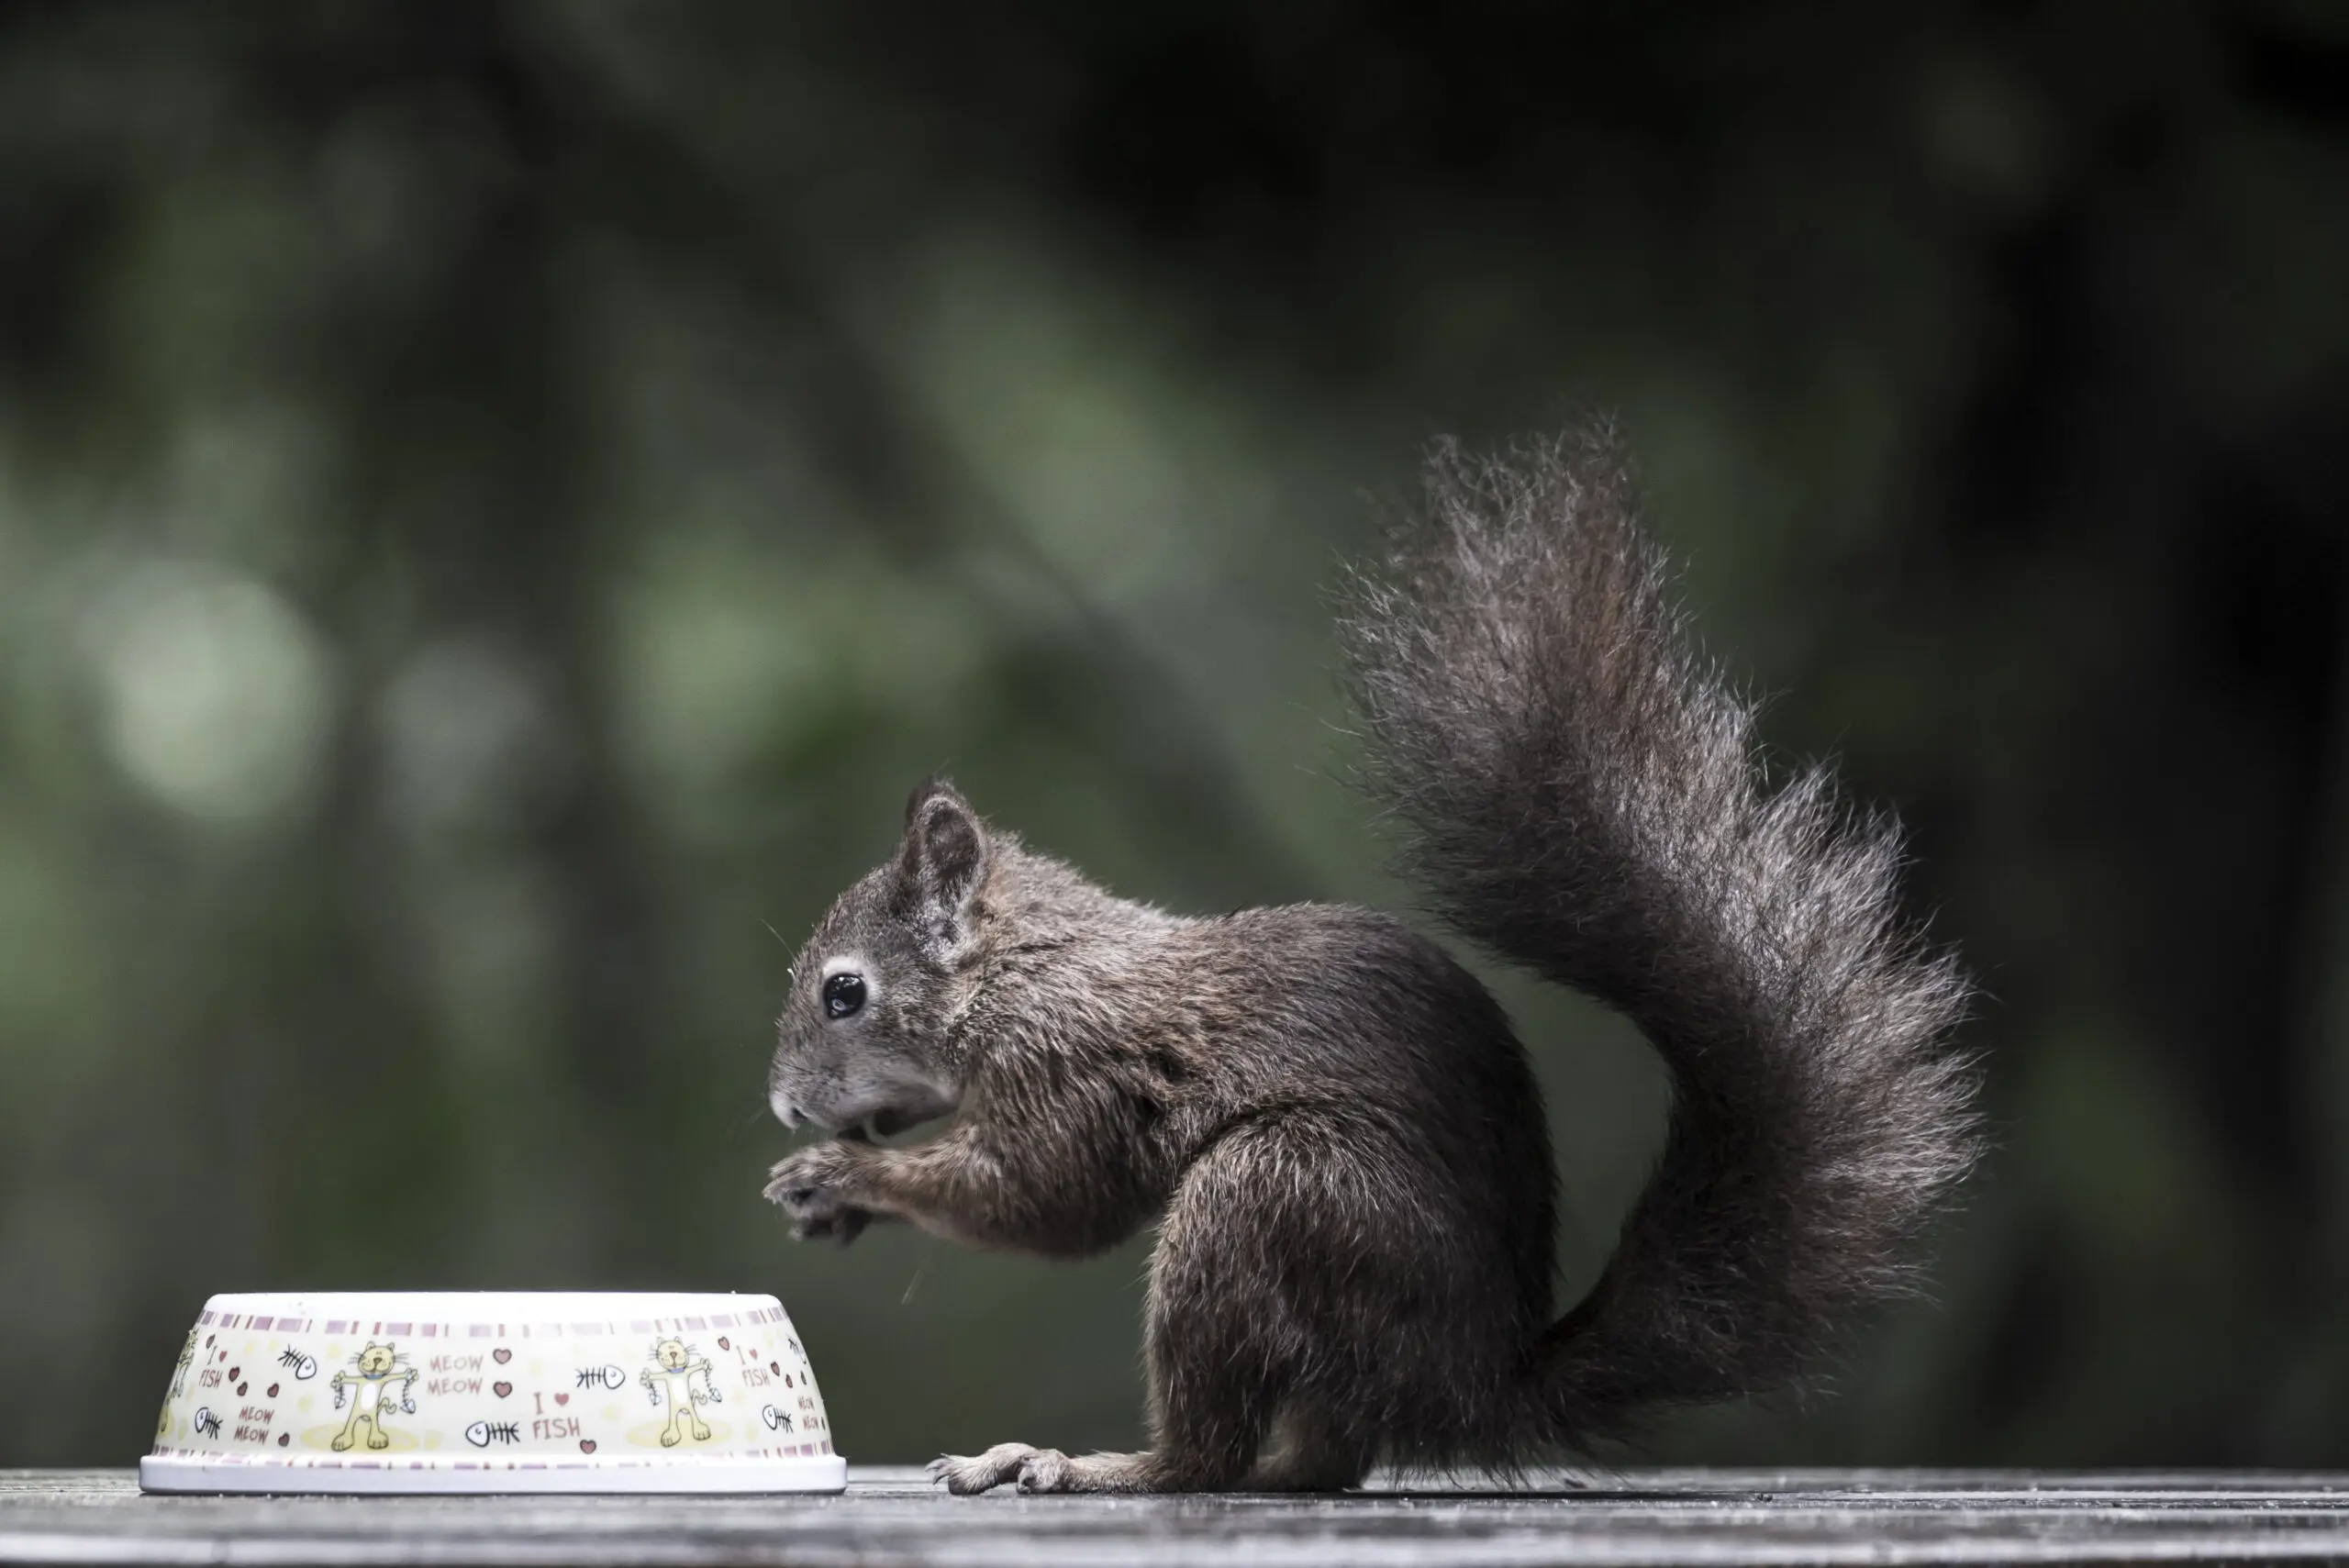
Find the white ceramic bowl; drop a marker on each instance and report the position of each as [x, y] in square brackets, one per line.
[512, 1391]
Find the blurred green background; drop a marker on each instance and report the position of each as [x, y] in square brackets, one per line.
[499, 501]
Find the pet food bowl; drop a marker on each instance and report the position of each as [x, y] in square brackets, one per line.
[521, 1392]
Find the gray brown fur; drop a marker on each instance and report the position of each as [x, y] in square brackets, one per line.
[1330, 1120]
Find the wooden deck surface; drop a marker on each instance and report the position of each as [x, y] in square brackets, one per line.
[890, 1516]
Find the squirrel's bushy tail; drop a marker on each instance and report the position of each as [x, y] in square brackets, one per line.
[1587, 801]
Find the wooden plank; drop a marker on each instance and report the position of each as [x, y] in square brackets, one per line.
[1694, 1517]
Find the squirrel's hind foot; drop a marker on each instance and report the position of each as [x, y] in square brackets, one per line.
[982, 1472]
[1044, 1469]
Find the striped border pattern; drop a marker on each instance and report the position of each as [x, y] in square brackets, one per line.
[269, 1461]
[259, 1324]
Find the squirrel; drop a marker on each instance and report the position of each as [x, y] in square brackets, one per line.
[1328, 1119]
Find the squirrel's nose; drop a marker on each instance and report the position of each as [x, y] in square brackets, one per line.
[784, 1111]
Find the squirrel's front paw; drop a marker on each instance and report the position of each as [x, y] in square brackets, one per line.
[812, 1186]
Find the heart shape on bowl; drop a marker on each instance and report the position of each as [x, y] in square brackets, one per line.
[586, 1445]
[501, 1355]
[501, 1388]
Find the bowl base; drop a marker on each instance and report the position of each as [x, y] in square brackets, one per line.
[817, 1473]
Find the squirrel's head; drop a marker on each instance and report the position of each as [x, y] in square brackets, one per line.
[866, 1039]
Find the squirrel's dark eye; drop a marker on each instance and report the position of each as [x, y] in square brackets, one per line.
[843, 994]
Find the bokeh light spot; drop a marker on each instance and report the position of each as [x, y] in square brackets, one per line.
[216, 692]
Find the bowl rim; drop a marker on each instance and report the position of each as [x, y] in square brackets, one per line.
[485, 1306]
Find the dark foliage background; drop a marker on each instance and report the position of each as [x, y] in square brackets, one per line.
[498, 501]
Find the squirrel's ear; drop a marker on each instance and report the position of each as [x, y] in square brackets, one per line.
[940, 865]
